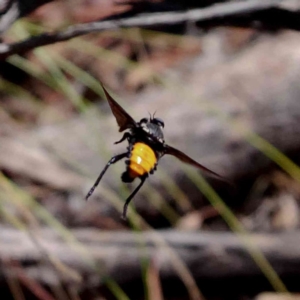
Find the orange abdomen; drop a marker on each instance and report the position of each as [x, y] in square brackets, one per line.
[142, 160]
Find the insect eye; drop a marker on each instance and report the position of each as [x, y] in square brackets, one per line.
[159, 122]
[144, 120]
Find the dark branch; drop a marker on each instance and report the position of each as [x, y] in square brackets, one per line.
[217, 13]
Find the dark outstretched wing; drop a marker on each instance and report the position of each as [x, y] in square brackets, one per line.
[124, 120]
[186, 159]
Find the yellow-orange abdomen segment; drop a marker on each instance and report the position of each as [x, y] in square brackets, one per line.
[142, 160]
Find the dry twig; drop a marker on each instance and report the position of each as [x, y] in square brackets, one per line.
[212, 13]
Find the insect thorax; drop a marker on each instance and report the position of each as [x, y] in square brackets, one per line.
[151, 135]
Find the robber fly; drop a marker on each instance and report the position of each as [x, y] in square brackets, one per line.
[146, 147]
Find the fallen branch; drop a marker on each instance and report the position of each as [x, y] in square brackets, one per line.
[210, 257]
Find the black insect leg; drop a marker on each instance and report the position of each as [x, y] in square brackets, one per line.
[113, 160]
[125, 136]
[131, 196]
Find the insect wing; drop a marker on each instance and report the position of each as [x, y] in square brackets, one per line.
[124, 120]
[186, 159]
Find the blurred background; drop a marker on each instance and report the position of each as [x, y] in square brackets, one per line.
[227, 88]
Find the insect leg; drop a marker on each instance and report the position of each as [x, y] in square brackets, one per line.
[125, 136]
[131, 196]
[113, 160]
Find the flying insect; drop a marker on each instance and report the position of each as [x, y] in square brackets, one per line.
[146, 147]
